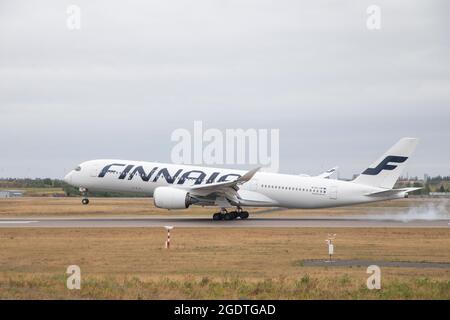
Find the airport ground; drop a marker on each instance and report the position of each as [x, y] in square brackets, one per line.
[143, 207]
[217, 263]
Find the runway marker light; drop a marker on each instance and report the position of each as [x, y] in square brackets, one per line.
[168, 228]
[329, 241]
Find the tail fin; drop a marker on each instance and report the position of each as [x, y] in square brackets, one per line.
[385, 171]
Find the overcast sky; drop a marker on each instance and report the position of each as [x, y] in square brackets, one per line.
[340, 94]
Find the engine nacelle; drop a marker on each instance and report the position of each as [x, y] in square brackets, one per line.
[171, 198]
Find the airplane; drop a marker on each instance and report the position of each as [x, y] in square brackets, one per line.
[175, 186]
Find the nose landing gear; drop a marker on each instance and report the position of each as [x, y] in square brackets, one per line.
[84, 193]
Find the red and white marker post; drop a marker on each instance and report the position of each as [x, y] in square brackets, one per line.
[168, 228]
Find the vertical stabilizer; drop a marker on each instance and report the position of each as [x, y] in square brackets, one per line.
[384, 172]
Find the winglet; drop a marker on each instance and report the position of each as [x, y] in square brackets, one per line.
[248, 176]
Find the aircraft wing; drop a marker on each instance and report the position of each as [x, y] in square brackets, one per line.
[223, 192]
[327, 173]
[221, 186]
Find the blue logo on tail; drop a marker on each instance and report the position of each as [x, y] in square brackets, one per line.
[384, 165]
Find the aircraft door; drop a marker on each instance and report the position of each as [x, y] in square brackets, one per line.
[332, 192]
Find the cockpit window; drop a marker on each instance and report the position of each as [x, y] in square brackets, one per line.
[78, 168]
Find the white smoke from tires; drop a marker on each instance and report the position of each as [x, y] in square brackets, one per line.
[430, 211]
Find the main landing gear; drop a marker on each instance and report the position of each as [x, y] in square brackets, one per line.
[225, 215]
[84, 193]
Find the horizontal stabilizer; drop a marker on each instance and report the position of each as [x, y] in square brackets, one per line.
[327, 174]
[391, 192]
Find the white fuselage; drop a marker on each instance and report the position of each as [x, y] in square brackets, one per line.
[263, 190]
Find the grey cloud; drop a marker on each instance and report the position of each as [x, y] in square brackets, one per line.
[339, 94]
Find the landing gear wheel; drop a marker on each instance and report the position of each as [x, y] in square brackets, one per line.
[227, 216]
[217, 216]
[85, 195]
[244, 215]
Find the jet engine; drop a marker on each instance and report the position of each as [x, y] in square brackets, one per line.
[172, 198]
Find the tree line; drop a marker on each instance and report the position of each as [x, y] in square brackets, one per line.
[433, 184]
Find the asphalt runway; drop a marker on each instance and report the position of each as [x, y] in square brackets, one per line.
[207, 222]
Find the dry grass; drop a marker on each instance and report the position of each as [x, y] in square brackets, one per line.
[45, 206]
[18, 207]
[218, 263]
[41, 192]
[212, 263]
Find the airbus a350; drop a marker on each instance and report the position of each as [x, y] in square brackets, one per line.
[175, 186]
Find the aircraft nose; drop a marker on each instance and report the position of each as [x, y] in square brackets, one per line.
[68, 178]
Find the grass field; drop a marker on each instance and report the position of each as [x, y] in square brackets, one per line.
[214, 263]
[45, 206]
[41, 192]
[218, 263]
